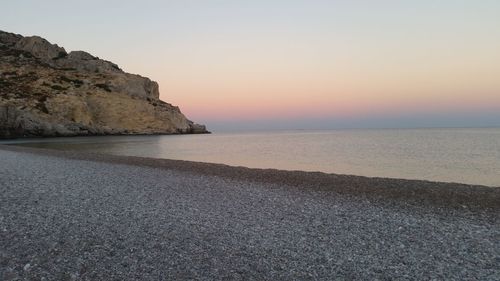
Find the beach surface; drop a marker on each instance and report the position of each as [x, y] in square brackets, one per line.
[79, 216]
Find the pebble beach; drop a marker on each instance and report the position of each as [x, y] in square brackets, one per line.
[81, 216]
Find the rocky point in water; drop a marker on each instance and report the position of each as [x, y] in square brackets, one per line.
[45, 92]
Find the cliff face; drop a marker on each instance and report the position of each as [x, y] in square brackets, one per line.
[45, 91]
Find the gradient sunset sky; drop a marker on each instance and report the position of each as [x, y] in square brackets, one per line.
[293, 64]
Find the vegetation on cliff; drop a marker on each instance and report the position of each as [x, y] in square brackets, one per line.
[45, 91]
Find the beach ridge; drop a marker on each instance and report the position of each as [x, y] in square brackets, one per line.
[81, 216]
[405, 191]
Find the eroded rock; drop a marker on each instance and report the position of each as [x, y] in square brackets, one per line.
[46, 92]
[40, 48]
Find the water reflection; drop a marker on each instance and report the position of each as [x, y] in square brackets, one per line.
[456, 155]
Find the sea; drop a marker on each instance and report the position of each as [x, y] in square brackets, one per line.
[470, 156]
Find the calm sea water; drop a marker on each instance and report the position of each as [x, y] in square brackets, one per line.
[453, 155]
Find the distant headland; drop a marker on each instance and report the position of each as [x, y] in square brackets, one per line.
[47, 92]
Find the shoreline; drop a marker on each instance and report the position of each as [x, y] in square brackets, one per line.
[31, 137]
[80, 216]
[407, 192]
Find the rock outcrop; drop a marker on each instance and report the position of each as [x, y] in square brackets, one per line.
[45, 91]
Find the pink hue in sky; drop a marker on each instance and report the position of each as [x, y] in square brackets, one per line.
[251, 60]
[339, 84]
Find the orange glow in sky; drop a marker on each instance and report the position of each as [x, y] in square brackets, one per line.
[248, 60]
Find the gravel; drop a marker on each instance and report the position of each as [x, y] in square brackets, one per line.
[76, 216]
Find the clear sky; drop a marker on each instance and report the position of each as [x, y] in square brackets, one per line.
[293, 64]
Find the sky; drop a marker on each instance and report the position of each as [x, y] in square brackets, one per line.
[293, 64]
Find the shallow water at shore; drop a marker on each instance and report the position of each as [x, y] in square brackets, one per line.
[453, 155]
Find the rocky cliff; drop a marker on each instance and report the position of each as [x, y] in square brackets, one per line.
[45, 91]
